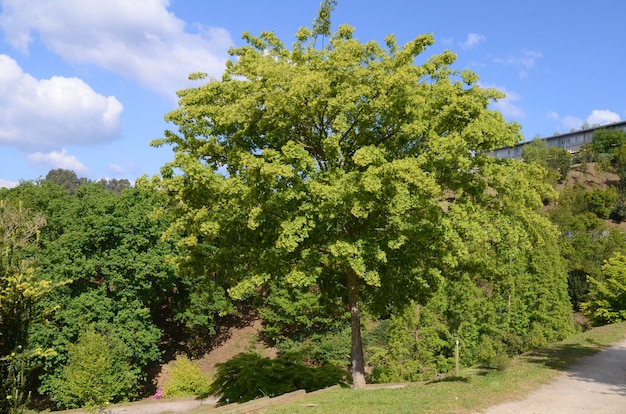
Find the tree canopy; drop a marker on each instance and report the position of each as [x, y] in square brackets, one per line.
[349, 169]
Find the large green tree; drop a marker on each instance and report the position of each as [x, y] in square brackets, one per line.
[348, 168]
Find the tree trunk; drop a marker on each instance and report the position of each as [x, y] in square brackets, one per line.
[356, 355]
[416, 333]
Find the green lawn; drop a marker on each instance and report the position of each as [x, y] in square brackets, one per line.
[472, 390]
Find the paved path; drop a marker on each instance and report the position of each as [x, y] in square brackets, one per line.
[596, 385]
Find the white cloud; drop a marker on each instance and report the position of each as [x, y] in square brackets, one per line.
[597, 117]
[58, 159]
[7, 184]
[506, 105]
[472, 40]
[50, 113]
[525, 60]
[115, 169]
[571, 122]
[139, 39]
[602, 116]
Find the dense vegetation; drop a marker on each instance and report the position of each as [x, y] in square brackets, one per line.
[343, 195]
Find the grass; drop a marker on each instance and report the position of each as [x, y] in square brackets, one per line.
[474, 389]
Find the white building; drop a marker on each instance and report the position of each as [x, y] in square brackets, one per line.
[570, 141]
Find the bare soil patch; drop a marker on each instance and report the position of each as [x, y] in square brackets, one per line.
[237, 339]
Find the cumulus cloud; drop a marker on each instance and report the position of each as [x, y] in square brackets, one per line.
[524, 61]
[506, 105]
[50, 113]
[7, 183]
[58, 159]
[472, 40]
[597, 117]
[140, 39]
[602, 117]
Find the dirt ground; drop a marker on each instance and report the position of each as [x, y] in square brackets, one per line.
[596, 385]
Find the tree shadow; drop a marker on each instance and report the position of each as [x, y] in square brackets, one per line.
[587, 363]
[449, 378]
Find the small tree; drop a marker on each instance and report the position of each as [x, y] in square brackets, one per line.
[607, 141]
[21, 290]
[96, 373]
[606, 302]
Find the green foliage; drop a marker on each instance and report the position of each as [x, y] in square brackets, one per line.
[185, 379]
[620, 167]
[330, 347]
[606, 302]
[416, 348]
[585, 240]
[601, 202]
[97, 373]
[555, 160]
[606, 141]
[536, 151]
[348, 170]
[298, 313]
[21, 292]
[491, 353]
[66, 179]
[560, 161]
[321, 24]
[249, 376]
[111, 247]
[618, 214]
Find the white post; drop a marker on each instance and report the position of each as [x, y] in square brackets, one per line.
[456, 358]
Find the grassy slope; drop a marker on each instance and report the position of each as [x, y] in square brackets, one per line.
[472, 390]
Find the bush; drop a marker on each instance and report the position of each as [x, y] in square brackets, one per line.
[491, 354]
[606, 302]
[185, 379]
[602, 202]
[249, 376]
[96, 373]
[327, 348]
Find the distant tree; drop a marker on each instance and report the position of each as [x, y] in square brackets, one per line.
[347, 169]
[607, 141]
[559, 161]
[554, 159]
[536, 151]
[620, 167]
[115, 185]
[601, 201]
[66, 179]
[585, 240]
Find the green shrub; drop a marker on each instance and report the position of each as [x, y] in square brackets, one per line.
[185, 379]
[320, 349]
[249, 376]
[602, 202]
[491, 354]
[96, 374]
[606, 302]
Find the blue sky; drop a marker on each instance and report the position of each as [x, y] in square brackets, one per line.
[84, 84]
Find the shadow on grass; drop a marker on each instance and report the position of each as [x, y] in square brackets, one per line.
[589, 363]
[451, 378]
[563, 356]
